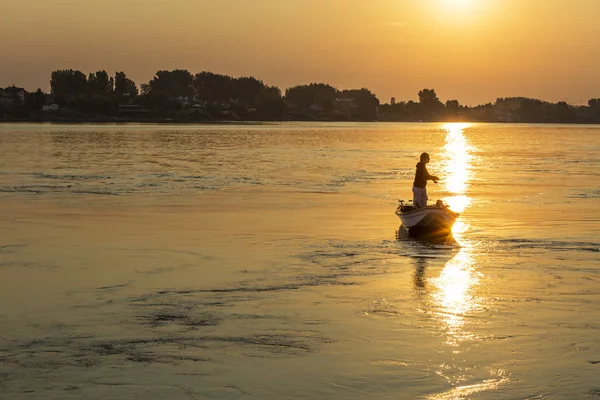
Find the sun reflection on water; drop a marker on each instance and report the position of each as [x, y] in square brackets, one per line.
[457, 166]
[453, 294]
[499, 377]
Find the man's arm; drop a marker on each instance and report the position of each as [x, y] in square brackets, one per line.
[430, 177]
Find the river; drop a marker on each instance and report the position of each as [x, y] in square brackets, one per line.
[264, 261]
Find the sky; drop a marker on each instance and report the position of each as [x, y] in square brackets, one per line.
[473, 51]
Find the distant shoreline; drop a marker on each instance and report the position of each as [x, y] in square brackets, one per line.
[257, 122]
[178, 96]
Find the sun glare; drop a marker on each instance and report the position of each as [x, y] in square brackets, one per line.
[453, 294]
[457, 166]
[458, 4]
[461, 11]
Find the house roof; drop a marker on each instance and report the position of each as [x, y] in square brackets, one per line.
[14, 90]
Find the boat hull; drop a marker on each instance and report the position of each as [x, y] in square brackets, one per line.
[430, 219]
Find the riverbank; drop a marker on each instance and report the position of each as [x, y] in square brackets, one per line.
[253, 122]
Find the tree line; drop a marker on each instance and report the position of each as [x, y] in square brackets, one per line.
[509, 109]
[179, 94]
[215, 96]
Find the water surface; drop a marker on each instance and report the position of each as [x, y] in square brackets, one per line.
[263, 261]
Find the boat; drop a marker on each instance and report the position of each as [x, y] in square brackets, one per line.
[436, 219]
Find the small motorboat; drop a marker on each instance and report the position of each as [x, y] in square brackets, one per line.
[437, 219]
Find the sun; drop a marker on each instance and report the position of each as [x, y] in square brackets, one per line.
[461, 11]
[458, 4]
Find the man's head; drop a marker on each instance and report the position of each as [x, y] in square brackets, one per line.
[424, 158]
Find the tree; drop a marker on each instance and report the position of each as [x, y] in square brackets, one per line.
[428, 97]
[34, 101]
[565, 112]
[38, 99]
[176, 83]
[213, 87]
[394, 112]
[366, 101]
[453, 105]
[269, 103]
[532, 110]
[304, 96]
[125, 87]
[594, 110]
[245, 89]
[145, 88]
[327, 105]
[67, 83]
[159, 100]
[430, 105]
[100, 83]
[101, 104]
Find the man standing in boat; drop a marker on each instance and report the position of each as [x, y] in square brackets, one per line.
[420, 184]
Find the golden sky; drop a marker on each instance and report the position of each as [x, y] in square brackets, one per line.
[470, 50]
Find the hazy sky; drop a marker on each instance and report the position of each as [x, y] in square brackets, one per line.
[470, 50]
